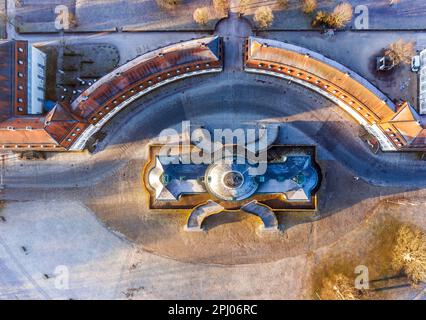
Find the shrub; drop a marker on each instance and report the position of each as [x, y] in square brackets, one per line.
[201, 15]
[282, 3]
[263, 17]
[400, 52]
[221, 6]
[243, 6]
[309, 6]
[321, 18]
[339, 287]
[168, 4]
[341, 15]
[409, 253]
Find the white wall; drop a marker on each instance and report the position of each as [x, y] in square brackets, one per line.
[422, 97]
[36, 80]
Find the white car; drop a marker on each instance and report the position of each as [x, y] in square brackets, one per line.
[415, 63]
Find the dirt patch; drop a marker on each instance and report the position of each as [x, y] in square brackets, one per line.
[371, 245]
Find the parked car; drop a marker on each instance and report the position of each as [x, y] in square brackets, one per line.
[384, 63]
[415, 64]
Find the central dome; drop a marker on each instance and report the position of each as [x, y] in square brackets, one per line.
[229, 179]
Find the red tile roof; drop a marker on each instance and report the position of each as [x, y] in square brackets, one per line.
[371, 107]
[62, 126]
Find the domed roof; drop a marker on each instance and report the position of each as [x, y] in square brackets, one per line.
[229, 179]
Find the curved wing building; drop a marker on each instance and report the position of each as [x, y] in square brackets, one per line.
[68, 127]
[395, 127]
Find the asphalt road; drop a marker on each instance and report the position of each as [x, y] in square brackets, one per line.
[308, 118]
[243, 97]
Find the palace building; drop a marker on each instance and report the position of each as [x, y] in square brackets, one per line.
[289, 182]
[24, 125]
[396, 127]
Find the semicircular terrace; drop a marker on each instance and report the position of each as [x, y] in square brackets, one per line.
[395, 127]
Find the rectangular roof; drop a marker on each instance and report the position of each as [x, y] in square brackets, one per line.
[6, 78]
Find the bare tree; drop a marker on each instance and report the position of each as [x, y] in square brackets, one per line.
[341, 15]
[409, 253]
[309, 6]
[282, 3]
[400, 52]
[339, 287]
[339, 18]
[222, 6]
[201, 15]
[263, 17]
[168, 4]
[321, 18]
[243, 6]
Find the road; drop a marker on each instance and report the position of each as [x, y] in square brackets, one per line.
[307, 119]
[259, 95]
